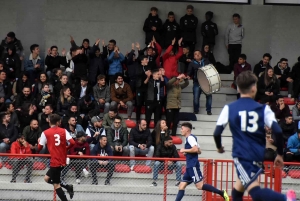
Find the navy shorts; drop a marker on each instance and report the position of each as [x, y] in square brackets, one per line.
[247, 171]
[192, 174]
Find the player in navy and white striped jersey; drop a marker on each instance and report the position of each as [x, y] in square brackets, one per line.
[247, 119]
[193, 173]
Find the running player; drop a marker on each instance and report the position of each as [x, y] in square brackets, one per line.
[56, 139]
[247, 119]
[193, 173]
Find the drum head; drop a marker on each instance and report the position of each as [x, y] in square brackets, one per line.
[203, 82]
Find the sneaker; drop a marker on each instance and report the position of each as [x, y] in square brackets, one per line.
[209, 113]
[13, 181]
[153, 184]
[196, 112]
[291, 195]
[131, 168]
[107, 182]
[85, 173]
[27, 181]
[78, 181]
[71, 191]
[177, 183]
[95, 182]
[225, 196]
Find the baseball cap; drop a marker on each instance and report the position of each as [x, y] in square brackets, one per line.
[80, 134]
[96, 119]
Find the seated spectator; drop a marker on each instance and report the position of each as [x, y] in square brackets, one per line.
[73, 127]
[109, 117]
[83, 89]
[283, 74]
[25, 97]
[44, 118]
[288, 127]
[270, 152]
[8, 132]
[121, 95]
[5, 88]
[170, 60]
[241, 65]
[296, 112]
[22, 82]
[72, 112]
[153, 102]
[81, 148]
[262, 65]
[140, 142]
[11, 40]
[65, 100]
[56, 76]
[166, 150]
[102, 93]
[295, 75]
[34, 64]
[185, 59]
[292, 150]
[159, 133]
[10, 109]
[84, 107]
[174, 87]
[26, 114]
[43, 79]
[170, 30]
[32, 133]
[115, 60]
[209, 55]
[45, 97]
[102, 148]
[63, 83]
[117, 137]
[96, 65]
[12, 63]
[2, 68]
[95, 130]
[54, 61]
[268, 87]
[280, 109]
[20, 146]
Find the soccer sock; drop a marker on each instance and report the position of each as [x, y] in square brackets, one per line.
[237, 195]
[207, 187]
[180, 195]
[259, 194]
[65, 186]
[61, 194]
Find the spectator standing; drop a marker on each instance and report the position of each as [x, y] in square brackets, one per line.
[140, 142]
[31, 134]
[293, 151]
[102, 93]
[268, 87]
[21, 147]
[262, 65]
[209, 30]
[296, 77]
[283, 74]
[132, 64]
[12, 63]
[80, 61]
[288, 127]
[115, 60]
[280, 109]
[54, 60]
[152, 26]
[85, 46]
[185, 60]
[171, 30]
[9, 41]
[109, 117]
[166, 150]
[188, 26]
[34, 64]
[233, 39]
[8, 134]
[153, 52]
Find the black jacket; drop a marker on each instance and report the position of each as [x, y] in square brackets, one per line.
[209, 30]
[152, 89]
[16, 43]
[193, 68]
[259, 68]
[188, 26]
[284, 75]
[86, 108]
[77, 91]
[62, 108]
[42, 101]
[25, 118]
[9, 131]
[288, 129]
[296, 72]
[152, 59]
[43, 122]
[152, 21]
[80, 65]
[12, 62]
[137, 137]
[96, 64]
[22, 99]
[262, 88]
[166, 152]
[210, 56]
[55, 62]
[171, 30]
[141, 77]
[59, 86]
[7, 89]
[183, 59]
[69, 114]
[20, 85]
[132, 66]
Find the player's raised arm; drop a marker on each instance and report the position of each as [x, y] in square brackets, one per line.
[221, 124]
[70, 140]
[42, 142]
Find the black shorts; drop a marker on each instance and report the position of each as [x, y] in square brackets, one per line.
[54, 174]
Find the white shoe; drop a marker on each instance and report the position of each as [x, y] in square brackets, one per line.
[131, 168]
[85, 172]
[78, 181]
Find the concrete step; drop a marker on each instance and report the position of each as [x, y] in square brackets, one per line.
[207, 118]
[204, 125]
[223, 90]
[215, 97]
[227, 77]
[202, 110]
[206, 132]
[215, 103]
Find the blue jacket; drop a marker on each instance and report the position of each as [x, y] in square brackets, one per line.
[28, 64]
[99, 151]
[193, 68]
[115, 64]
[294, 144]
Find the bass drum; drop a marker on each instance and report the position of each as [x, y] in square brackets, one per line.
[209, 79]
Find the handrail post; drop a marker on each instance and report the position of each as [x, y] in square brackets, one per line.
[165, 179]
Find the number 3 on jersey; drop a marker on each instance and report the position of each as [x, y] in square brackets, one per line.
[57, 139]
[249, 121]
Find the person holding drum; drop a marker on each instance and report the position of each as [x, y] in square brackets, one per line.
[198, 62]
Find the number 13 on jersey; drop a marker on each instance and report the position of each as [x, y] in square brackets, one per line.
[249, 121]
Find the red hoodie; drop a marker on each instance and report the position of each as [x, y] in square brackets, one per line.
[80, 147]
[16, 148]
[170, 63]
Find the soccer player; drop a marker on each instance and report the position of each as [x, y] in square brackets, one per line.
[56, 139]
[247, 120]
[193, 173]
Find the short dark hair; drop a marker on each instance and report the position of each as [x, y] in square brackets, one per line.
[267, 55]
[171, 13]
[102, 136]
[28, 87]
[190, 7]
[32, 47]
[2, 71]
[186, 47]
[245, 80]
[187, 125]
[140, 121]
[54, 46]
[113, 41]
[84, 78]
[100, 77]
[49, 105]
[279, 96]
[119, 75]
[73, 104]
[55, 70]
[153, 9]
[54, 119]
[11, 34]
[167, 138]
[86, 40]
[155, 70]
[113, 108]
[236, 15]
[2, 115]
[288, 115]
[118, 117]
[143, 57]
[283, 59]
[71, 118]
[209, 14]
[243, 56]
[87, 98]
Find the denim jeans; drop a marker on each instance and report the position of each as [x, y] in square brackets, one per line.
[158, 165]
[137, 151]
[197, 92]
